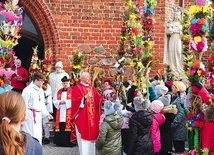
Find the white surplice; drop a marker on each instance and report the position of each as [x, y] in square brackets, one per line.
[48, 99]
[35, 101]
[55, 80]
[62, 107]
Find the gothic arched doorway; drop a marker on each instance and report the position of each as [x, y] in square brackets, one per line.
[30, 37]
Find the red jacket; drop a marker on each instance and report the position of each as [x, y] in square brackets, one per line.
[23, 73]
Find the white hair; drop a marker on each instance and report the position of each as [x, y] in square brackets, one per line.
[83, 74]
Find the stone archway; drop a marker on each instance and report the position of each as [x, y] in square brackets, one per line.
[39, 12]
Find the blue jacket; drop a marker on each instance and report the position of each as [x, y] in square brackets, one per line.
[32, 146]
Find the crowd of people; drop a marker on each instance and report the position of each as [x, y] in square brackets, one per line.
[156, 122]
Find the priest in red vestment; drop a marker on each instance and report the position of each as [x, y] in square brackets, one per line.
[86, 111]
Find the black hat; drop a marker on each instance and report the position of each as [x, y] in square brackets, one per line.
[65, 79]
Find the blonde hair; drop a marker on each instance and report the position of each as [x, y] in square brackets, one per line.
[12, 107]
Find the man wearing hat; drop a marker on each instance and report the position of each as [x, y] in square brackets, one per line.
[55, 80]
[62, 102]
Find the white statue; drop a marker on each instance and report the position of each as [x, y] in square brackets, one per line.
[173, 43]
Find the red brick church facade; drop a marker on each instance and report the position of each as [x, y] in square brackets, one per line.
[66, 24]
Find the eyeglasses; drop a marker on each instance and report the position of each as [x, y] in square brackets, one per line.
[40, 80]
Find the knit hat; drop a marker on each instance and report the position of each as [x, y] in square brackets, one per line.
[156, 106]
[140, 103]
[152, 94]
[107, 93]
[59, 64]
[165, 99]
[180, 86]
[111, 107]
[161, 90]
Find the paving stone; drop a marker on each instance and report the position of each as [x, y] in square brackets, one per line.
[52, 149]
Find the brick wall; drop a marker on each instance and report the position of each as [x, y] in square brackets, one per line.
[66, 24]
[86, 22]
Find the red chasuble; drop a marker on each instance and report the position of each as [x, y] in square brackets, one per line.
[87, 118]
[68, 111]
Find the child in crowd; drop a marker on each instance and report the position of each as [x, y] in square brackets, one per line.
[12, 116]
[108, 89]
[163, 95]
[179, 123]
[109, 140]
[139, 127]
[169, 113]
[125, 130]
[158, 119]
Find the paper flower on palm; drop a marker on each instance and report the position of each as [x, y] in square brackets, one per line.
[77, 62]
[7, 44]
[199, 44]
[212, 5]
[148, 41]
[8, 58]
[148, 23]
[12, 18]
[34, 65]
[195, 29]
[211, 78]
[5, 76]
[47, 64]
[196, 71]
[198, 10]
[200, 2]
[151, 3]
[6, 73]
[47, 60]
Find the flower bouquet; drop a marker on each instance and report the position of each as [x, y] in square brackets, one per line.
[199, 26]
[196, 71]
[35, 63]
[77, 62]
[10, 26]
[46, 66]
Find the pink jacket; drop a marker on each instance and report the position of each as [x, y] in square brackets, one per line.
[158, 119]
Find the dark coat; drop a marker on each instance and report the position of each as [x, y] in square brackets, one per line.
[178, 125]
[166, 130]
[130, 98]
[139, 134]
